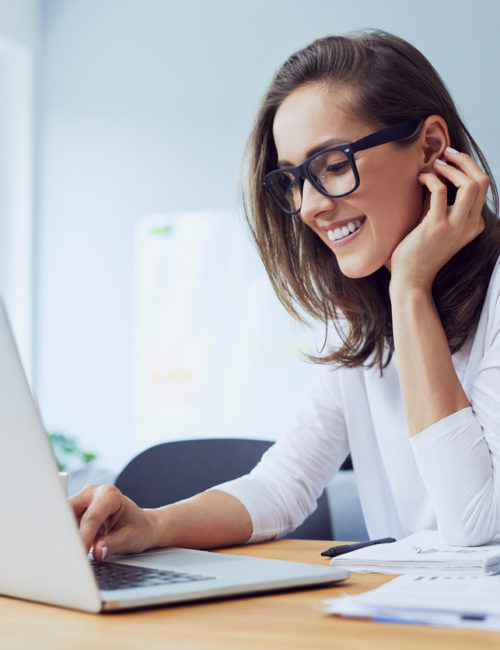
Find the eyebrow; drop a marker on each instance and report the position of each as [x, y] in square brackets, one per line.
[333, 142]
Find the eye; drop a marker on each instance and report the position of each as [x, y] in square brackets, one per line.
[338, 167]
[330, 163]
[287, 182]
[333, 173]
[335, 162]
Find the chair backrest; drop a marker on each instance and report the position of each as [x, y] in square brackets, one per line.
[176, 470]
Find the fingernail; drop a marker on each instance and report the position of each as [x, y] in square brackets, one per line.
[451, 150]
[104, 552]
[438, 161]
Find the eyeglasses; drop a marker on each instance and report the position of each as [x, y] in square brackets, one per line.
[331, 171]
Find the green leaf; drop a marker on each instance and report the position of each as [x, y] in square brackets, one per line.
[68, 454]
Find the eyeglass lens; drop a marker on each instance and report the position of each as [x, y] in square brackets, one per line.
[331, 173]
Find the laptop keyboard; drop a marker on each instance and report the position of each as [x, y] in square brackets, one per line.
[112, 576]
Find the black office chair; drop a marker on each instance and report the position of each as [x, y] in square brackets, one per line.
[176, 470]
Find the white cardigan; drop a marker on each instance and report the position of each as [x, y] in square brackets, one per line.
[446, 477]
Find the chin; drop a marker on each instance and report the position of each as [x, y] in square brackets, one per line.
[358, 271]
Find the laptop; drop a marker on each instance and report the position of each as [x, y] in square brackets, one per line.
[43, 559]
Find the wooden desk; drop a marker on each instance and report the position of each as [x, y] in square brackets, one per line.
[292, 620]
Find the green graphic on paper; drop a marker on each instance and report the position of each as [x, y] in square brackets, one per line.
[161, 230]
[462, 551]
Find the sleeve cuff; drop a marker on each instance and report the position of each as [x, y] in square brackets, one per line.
[252, 495]
[441, 429]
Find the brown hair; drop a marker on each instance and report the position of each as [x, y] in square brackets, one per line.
[391, 82]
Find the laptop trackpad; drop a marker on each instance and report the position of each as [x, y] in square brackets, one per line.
[173, 558]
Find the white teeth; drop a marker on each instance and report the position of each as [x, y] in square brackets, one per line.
[340, 233]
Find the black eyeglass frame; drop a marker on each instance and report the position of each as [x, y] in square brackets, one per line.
[302, 173]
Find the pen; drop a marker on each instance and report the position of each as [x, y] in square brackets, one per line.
[347, 548]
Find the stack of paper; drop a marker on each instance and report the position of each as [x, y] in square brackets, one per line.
[423, 552]
[451, 601]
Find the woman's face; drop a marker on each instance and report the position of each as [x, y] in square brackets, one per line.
[388, 202]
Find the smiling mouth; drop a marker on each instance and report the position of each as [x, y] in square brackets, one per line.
[345, 230]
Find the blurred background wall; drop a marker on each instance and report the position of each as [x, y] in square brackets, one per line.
[140, 108]
[19, 30]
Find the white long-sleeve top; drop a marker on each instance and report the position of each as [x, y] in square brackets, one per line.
[446, 477]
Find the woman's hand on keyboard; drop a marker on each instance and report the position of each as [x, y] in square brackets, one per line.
[111, 523]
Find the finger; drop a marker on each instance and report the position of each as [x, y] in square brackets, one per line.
[117, 541]
[81, 501]
[438, 194]
[467, 191]
[471, 168]
[106, 503]
[101, 550]
[464, 162]
[466, 211]
[132, 532]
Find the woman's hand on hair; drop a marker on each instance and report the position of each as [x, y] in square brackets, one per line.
[444, 229]
[429, 383]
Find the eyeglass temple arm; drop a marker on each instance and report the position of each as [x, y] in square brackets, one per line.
[389, 134]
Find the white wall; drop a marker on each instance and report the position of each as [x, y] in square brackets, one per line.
[215, 353]
[16, 182]
[19, 21]
[18, 48]
[140, 96]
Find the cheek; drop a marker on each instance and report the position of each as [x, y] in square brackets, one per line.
[411, 205]
[395, 201]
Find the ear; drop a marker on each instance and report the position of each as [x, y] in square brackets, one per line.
[433, 140]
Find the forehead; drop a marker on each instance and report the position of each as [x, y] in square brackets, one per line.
[314, 114]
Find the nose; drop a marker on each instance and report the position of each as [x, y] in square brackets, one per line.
[313, 202]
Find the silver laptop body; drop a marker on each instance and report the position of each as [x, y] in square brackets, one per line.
[41, 554]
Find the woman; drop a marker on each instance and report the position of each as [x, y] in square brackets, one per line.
[370, 214]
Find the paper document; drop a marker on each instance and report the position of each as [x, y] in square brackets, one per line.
[450, 601]
[423, 552]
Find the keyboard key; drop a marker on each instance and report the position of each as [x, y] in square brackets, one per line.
[112, 576]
